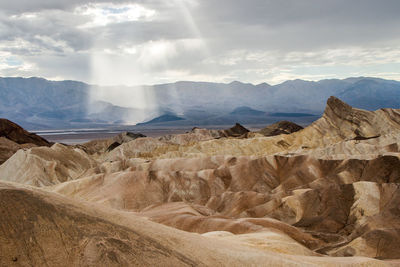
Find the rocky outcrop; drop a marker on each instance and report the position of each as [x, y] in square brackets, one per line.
[106, 145]
[13, 138]
[43, 166]
[123, 138]
[16, 133]
[339, 123]
[345, 122]
[281, 127]
[198, 134]
[237, 130]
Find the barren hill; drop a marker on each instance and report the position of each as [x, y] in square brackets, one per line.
[313, 196]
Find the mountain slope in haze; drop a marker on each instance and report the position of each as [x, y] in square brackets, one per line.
[246, 111]
[372, 94]
[39, 103]
[163, 118]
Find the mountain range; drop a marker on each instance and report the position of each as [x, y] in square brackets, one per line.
[37, 103]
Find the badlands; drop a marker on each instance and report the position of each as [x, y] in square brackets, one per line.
[325, 195]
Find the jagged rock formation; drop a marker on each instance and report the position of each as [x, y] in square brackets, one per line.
[42, 166]
[280, 127]
[123, 138]
[340, 122]
[197, 134]
[330, 189]
[320, 196]
[57, 231]
[236, 131]
[79, 234]
[106, 145]
[13, 137]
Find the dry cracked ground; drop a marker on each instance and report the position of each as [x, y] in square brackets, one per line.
[325, 195]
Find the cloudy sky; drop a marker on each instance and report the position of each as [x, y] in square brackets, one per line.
[158, 41]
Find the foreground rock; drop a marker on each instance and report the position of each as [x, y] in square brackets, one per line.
[43, 166]
[57, 231]
[329, 199]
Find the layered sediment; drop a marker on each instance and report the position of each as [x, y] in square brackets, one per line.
[298, 196]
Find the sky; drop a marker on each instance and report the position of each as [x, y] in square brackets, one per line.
[157, 41]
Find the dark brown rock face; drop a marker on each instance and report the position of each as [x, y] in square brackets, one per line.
[13, 137]
[236, 131]
[281, 127]
[16, 133]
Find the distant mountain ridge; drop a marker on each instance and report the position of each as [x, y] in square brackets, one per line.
[246, 111]
[38, 103]
[164, 118]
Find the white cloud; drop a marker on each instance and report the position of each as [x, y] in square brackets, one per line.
[103, 14]
[11, 65]
[133, 42]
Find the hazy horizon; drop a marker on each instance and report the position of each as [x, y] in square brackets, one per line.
[198, 81]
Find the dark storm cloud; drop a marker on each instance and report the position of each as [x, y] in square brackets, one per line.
[300, 24]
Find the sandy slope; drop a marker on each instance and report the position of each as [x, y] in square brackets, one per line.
[56, 231]
[332, 188]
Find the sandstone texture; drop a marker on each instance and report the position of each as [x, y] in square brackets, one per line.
[281, 127]
[13, 137]
[325, 195]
